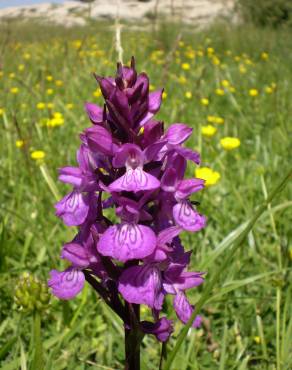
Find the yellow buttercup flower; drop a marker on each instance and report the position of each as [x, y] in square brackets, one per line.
[211, 177]
[26, 56]
[38, 155]
[218, 120]
[188, 95]
[253, 92]
[164, 95]
[14, 90]
[97, 93]
[59, 83]
[151, 87]
[216, 61]
[204, 101]
[210, 50]
[230, 143]
[41, 105]
[19, 143]
[264, 55]
[186, 66]
[49, 78]
[242, 69]
[257, 339]
[225, 83]
[220, 92]
[182, 80]
[208, 130]
[211, 119]
[269, 90]
[50, 91]
[21, 67]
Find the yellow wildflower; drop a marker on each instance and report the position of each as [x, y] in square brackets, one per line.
[204, 101]
[210, 51]
[242, 69]
[188, 95]
[14, 90]
[237, 58]
[230, 143]
[232, 89]
[41, 105]
[211, 119]
[69, 106]
[186, 66]
[50, 105]
[220, 92]
[164, 95]
[97, 93]
[269, 90]
[219, 120]
[216, 61]
[21, 67]
[253, 92]
[208, 130]
[50, 91]
[211, 177]
[49, 78]
[26, 56]
[257, 339]
[225, 83]
[59, 83]
[11, 75]
[200, 53]
[264, 55]
[2, 111]
[182, 80]
[37, 155]
[19, 143]
[151, 87]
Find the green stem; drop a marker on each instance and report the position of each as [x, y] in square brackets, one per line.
[37, 363]
[217, 271]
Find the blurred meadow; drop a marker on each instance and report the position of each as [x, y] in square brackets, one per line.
[226, 82]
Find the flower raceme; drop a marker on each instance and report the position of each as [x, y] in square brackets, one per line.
[129, 164]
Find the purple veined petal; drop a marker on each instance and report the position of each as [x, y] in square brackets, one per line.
[127, 241]
[188, 218]
[155, 99]
[142, 285]
[99, 140]
[66, 284]
[162, 329]
[76, 254]
[95, 113]
[178, 133]
[71, 175]
[135, 180]
[166, 235]
[187, 187]
[153, 151]
[169, 180]
[189, 280]
[130, 155]
[73, 208]
[188, 154]
[184, 309]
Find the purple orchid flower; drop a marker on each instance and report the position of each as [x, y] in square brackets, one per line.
[130, 168]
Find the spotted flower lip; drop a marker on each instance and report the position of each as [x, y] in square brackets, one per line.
[135, 179]
[130, 202]
[127, 241]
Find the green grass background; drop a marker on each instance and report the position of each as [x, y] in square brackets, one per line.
[247, 320]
